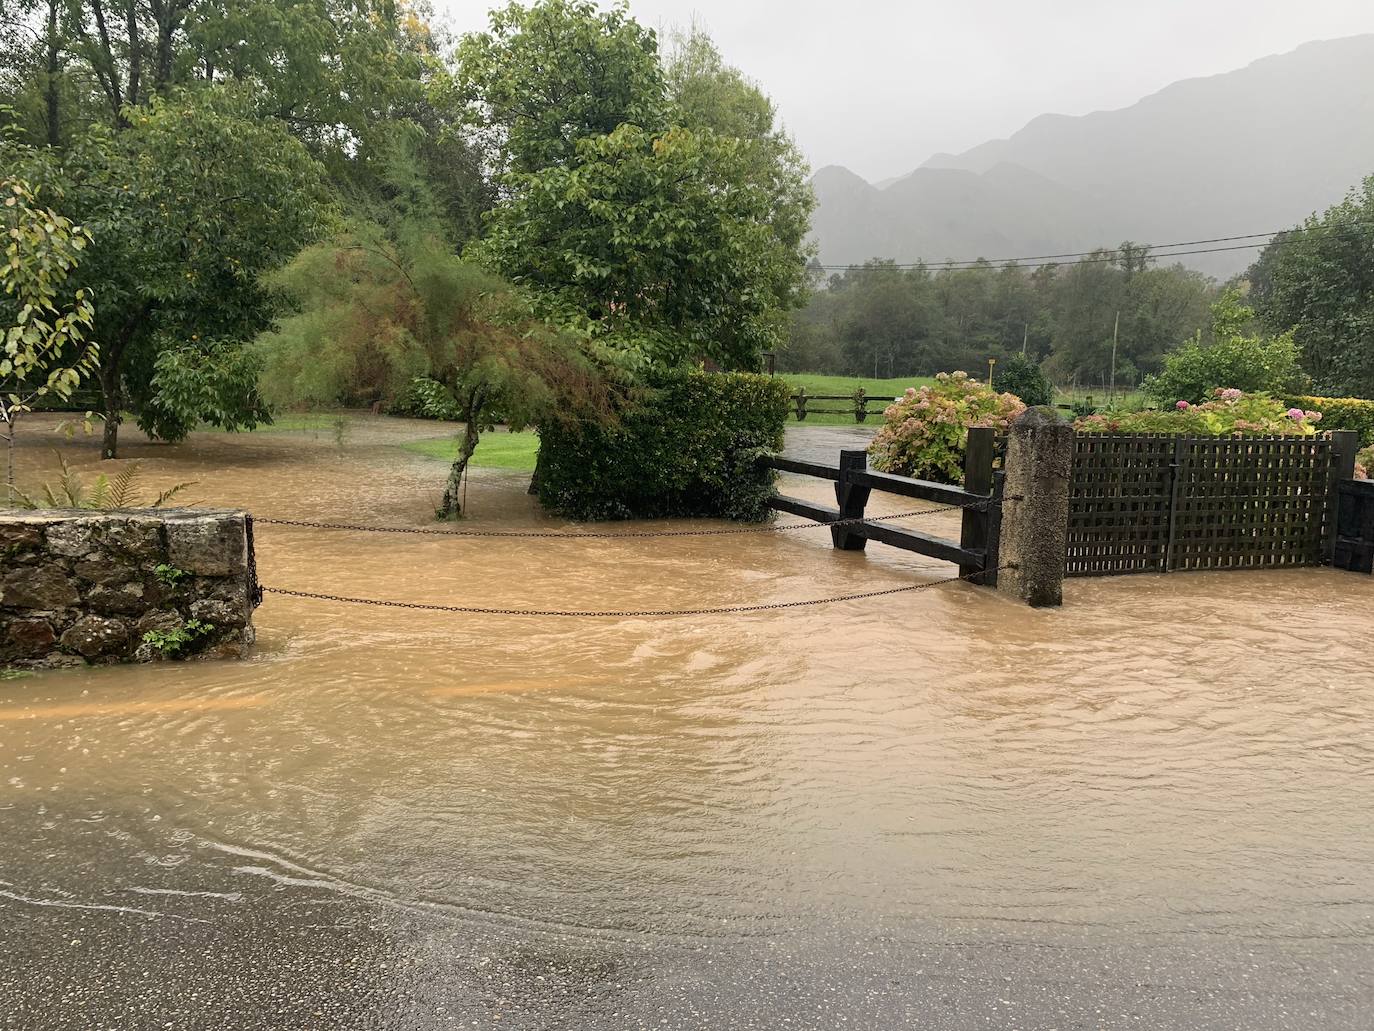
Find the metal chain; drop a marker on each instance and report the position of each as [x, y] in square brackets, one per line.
[254, 586]
[628, 534]
[625, 613]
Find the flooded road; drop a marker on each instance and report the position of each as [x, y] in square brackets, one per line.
[1151, 808]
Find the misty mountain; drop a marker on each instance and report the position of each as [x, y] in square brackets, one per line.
[1247, 151]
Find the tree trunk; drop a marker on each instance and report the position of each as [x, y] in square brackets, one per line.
[9, 447]
[104, 65]
[168, 17]
[111, 401]
[135, 53]
[452, 505]
[54, 66]
[538, 472]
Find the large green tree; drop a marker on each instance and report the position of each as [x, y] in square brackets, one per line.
[545, 76]
[1318, 281]
[657, 244]
[668, 233]
[341, 75]
[188, 206]
[327, 67]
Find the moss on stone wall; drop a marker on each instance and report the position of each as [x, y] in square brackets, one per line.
[79, 587]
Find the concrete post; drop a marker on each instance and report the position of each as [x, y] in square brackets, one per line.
[1035, 508]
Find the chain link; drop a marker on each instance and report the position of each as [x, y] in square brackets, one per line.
[474, 610]
[626, 534]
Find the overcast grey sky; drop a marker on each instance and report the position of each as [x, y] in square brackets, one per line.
[880, 85]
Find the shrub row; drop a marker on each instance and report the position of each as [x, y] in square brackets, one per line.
[1342, 413]
[686, 447]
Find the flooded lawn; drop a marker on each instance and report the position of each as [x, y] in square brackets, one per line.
[1151, 808]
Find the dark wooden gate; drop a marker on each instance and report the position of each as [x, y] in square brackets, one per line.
[1355, 526]
[1153, 503]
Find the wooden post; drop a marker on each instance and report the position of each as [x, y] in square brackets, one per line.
[851, 501]
[1034, 536]
[1344, 445]
[982, 441]
[993, 562]
[801, 404]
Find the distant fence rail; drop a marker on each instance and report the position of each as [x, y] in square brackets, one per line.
[856, 404]
[1154, 503]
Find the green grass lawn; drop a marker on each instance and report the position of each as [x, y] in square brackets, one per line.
[495, 450]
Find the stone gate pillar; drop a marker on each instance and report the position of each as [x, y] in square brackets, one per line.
[1035, 508]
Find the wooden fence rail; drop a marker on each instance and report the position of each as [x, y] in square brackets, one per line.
[858, 404]
[976, 550]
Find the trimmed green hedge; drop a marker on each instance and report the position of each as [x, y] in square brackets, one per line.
[1342, 413]
[686, 448]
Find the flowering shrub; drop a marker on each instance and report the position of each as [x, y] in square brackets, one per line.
[1364, 464]
[1342, 413]
[925, 432]
[1229, 411]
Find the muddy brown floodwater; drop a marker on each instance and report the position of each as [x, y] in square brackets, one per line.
[1150, 808]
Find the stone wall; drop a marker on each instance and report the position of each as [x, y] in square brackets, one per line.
[135, 586]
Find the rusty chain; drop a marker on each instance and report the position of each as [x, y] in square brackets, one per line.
[474, 610]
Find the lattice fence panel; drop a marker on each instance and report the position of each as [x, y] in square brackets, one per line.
[1250, 502]
[1152, 503]
[1119, 508]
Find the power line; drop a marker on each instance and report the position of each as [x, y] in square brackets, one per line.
[1101, 254]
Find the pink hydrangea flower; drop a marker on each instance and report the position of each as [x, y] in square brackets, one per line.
[1183, 406]
[1231, 394]
[1296, 414]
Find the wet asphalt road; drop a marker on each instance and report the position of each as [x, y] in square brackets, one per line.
[297, 957]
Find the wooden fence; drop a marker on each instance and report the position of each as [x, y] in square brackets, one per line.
[1153, 503]
[1137, 503]
[857, 404]
[976, 550]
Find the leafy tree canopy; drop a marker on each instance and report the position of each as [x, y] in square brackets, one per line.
[881, 320]
[544, 77]
[187, 207]
[659, 212]
[1318, 281]
[659, 244]
[379, 306]
[43, 329]
[1237, 358]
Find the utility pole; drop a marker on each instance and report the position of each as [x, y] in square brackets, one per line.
[1025, 338]
[1111, 393]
